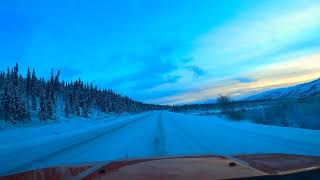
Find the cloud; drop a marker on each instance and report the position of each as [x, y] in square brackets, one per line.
[197, 71]
[255, 34]
[237, 56]
[245, 80]
[152, 68]
[287, 72]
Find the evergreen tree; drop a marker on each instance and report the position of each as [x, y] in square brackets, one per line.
[14, 108]
[48, 102]
[42, 109]
[78, 97]
[85, 108]
[28, 83]
[15, 75]
[25, 112]
[5, 104]
[66, 110]
[33, 90]
[34, 102]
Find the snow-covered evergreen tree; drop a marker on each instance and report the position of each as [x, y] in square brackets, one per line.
[28, 83]
[19, 96]
[42, 110]
[33, 90]
[5, 104]
[66, 110]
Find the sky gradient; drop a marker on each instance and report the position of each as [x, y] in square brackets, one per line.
[166, 52]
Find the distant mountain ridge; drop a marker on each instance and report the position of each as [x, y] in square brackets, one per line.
[308, 89]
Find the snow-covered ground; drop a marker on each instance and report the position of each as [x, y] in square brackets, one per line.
[148, 134]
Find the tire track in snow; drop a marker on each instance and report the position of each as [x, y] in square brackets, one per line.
[192, 144]
[159, 141]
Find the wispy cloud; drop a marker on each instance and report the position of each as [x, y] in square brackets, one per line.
[197, 71]
[275, 75]
[284, 39]
[258, 33]
[245, 80]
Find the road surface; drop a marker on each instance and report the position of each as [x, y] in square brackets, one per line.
[159, 134]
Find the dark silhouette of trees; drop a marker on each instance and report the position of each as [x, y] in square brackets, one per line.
[225, 104]
[21, 97]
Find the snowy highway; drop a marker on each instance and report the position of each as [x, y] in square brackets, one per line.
[154, 134]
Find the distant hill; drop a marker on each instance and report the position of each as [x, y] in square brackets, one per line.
[302, 90]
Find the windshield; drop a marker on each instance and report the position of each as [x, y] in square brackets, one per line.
[101, 81]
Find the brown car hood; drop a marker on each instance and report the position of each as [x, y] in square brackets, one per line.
[184, 168]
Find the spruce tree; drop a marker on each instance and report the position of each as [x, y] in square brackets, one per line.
[28, 83]
[5, 104]
[25, 112]
[34, 102]
[85, 108]
[66, 110]
[79, 98]
[14, 108]
[48, 102]
[42, 110]
[33, 90]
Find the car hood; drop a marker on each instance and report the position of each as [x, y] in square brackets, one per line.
[186, 167]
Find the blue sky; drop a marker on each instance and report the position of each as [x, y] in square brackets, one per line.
[167, 52]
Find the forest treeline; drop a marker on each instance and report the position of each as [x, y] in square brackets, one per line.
[26, 97]
[22, 97]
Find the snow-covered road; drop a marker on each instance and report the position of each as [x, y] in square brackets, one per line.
[154, 134]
